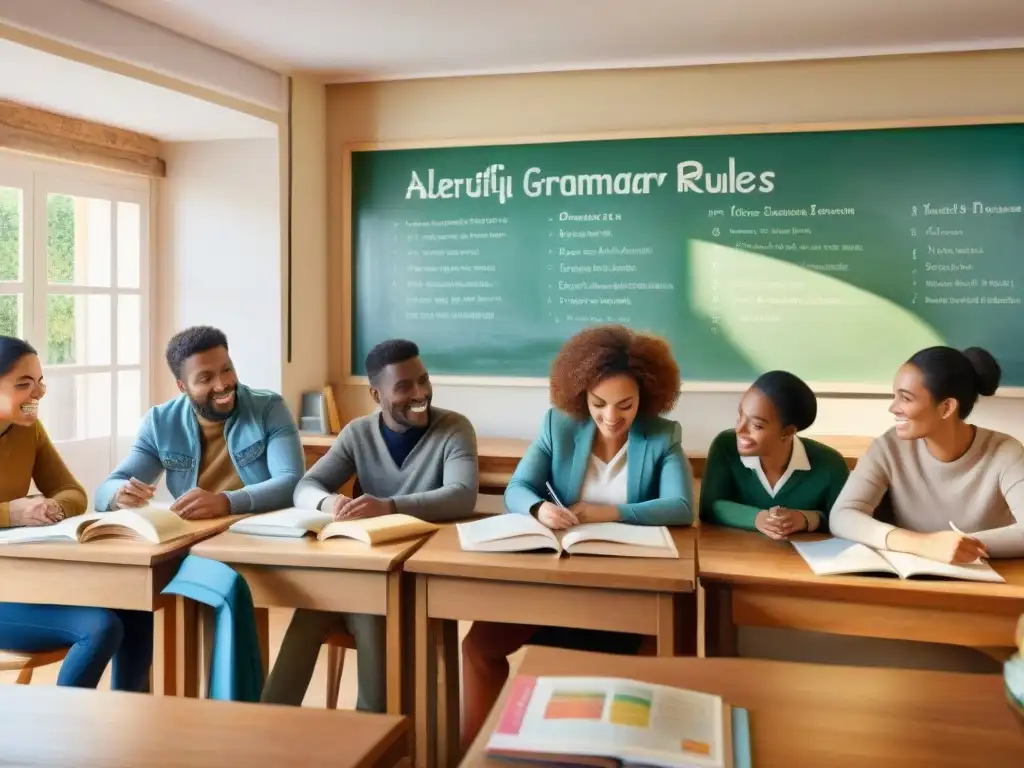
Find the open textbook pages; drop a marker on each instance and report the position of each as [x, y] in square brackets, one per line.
[612, 721]
[831, 557]
[154, 523]
[523, 533]
[296, 523]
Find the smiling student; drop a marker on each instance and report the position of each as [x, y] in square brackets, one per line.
[761, 475]
[937, 469]
[610, 457]
[93, 636]
[410, 457]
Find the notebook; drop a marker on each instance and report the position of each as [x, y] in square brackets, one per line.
[606, 721]
[834, 556]
[524, 533]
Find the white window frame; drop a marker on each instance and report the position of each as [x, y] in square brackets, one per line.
[37, 179]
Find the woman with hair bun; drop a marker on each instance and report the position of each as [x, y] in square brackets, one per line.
[761, 475]
[937, 470]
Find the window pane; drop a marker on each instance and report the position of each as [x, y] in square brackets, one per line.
[129, 402]
[78, 329]
[77, 407]
[129, 244]
[78, 244]
[10, 233]
[10, 315]
[129, 329]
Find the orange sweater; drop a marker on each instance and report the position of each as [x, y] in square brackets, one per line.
[26, 454]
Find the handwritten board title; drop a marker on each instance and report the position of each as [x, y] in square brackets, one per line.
[493, 183]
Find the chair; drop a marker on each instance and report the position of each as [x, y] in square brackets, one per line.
[337, 644]
[25, 663]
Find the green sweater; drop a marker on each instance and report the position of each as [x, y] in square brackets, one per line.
[732, 494]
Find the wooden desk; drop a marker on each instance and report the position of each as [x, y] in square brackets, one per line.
[810, 716]
[619, 594]
[498, 456]
[339, 575]
[750, 580]
[114, 574]
[69, 728]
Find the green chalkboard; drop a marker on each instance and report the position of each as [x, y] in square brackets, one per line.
[834, 254]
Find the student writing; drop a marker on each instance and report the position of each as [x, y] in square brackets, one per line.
[609, 457]
[762, 475]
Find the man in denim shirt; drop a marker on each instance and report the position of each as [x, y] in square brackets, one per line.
[226, 448]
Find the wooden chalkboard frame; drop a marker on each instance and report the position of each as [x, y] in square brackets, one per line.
[871, 391]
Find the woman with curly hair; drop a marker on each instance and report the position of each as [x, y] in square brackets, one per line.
[610, 456]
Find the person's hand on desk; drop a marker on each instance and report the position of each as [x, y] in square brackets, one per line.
[555, 517]
[134, 493]
[35, 510]
[780, 523]
[198, 504]
[943, 546]
[594, 513]
[363, 507]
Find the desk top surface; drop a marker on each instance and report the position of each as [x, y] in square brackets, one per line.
[307, 552]
[442, 555]
[747, 557]
[73, 728]
[808, 716]
[119, 552]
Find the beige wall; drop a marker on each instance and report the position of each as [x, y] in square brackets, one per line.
[307, 369]
[218, 223]
[640, 100]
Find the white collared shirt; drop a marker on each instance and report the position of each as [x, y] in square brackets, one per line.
[606, 483]
[798, 462]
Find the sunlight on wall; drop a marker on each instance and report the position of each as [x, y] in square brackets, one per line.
[781, 315]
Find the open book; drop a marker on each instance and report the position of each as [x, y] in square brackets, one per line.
[296, 523]
[838, 556]
[154, 523]
[597, 721]
[522, 533]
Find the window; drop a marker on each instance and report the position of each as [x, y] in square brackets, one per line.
[74, 265]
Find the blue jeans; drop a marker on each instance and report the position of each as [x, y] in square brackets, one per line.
[94, 635]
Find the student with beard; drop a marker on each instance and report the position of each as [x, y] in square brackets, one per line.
[410, 457]
[225, 448]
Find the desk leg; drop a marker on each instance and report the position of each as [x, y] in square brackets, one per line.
[186, 648]
[393, 643]
[426, 680]
[262, 616]
[448, 708]
[719, 631]
[666, 625]
[163, 679]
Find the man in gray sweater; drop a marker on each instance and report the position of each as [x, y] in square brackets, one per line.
[409, 457]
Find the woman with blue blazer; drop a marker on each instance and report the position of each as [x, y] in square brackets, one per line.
[610, 457]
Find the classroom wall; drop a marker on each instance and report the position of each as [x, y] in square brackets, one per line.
[219, 254]
[306, 370]
[890, 88]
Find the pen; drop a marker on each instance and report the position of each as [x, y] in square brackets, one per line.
[554, 496]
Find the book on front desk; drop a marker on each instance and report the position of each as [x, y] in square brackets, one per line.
[608, 722]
